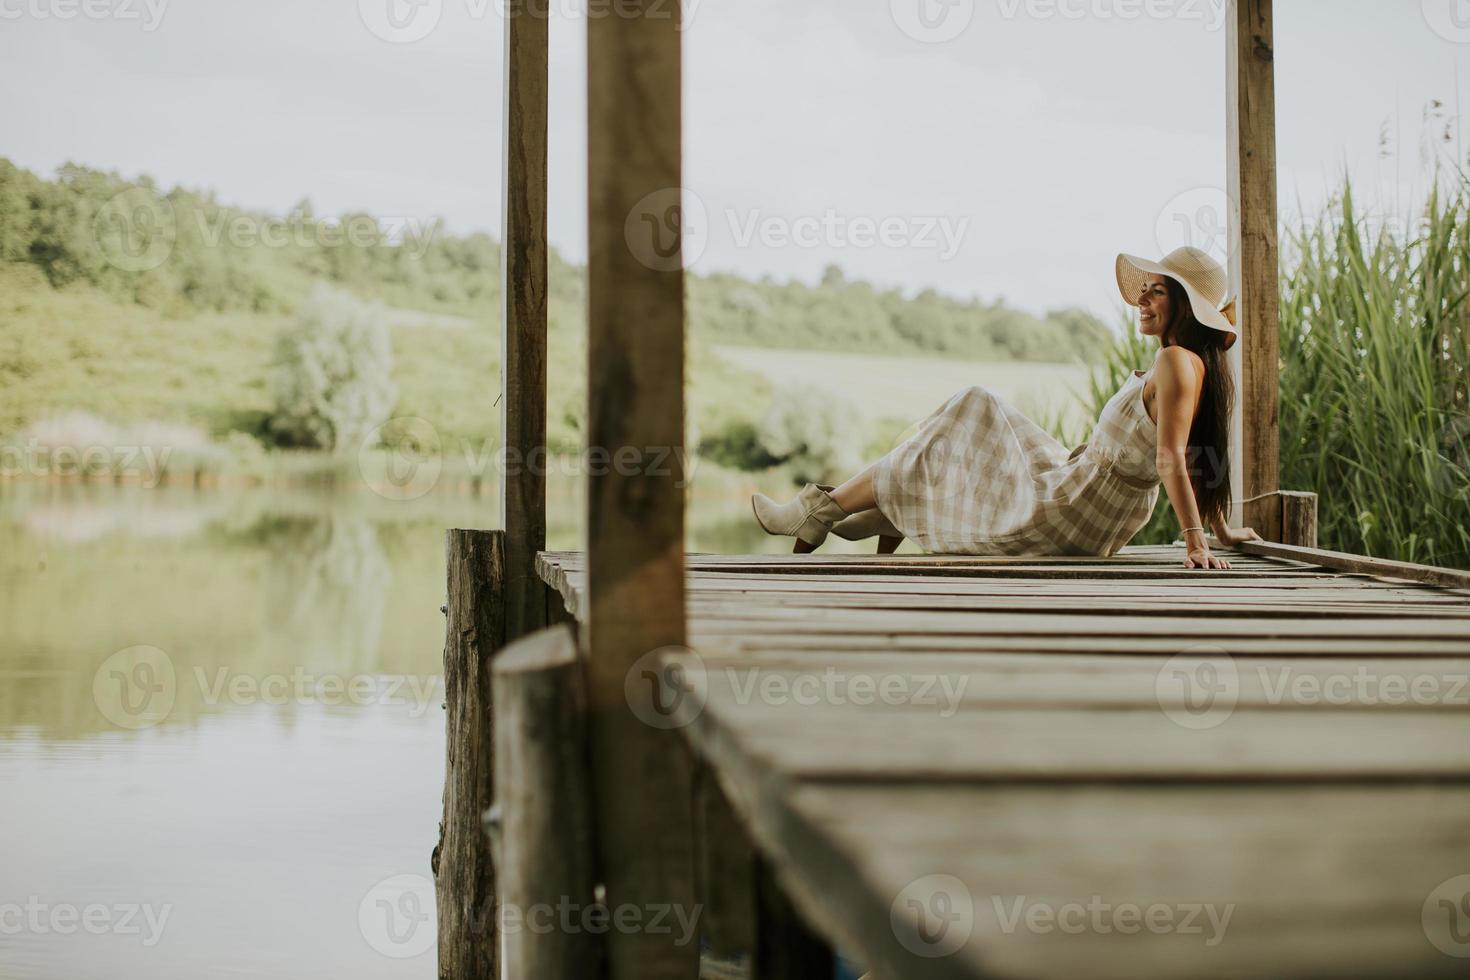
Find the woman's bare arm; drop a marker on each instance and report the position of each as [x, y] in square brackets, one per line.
[1178, 378]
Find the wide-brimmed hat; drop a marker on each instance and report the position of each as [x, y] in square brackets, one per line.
[1204, 280]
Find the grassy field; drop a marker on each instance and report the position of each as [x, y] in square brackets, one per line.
[909, 388]
[76, 350]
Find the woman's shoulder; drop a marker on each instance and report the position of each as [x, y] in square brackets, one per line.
[1180, 362]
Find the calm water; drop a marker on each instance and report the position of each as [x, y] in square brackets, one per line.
[221, 728]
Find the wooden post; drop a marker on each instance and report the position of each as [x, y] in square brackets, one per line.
[464, 871]
[543, 793]
[523, 292]
[1299, 519]
[1251, 162]
[635, 495]
[725, 878]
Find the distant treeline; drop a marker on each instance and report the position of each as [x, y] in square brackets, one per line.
[182, 253]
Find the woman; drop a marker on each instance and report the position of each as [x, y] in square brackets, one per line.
[980, 478]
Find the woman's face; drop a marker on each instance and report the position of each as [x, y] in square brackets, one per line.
[1153, 307]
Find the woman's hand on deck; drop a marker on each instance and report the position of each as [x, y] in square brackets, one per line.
[1200, 557]
[1230, 537]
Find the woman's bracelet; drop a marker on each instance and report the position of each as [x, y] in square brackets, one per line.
[1188, 529]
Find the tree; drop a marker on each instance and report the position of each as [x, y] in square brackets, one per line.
[332, 383]
[813, 431]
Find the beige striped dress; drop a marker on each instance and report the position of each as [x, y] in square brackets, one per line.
[980, 478]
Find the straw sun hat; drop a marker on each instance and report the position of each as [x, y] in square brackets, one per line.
[1204, 281]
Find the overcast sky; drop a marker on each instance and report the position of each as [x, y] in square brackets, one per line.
[1001, 147]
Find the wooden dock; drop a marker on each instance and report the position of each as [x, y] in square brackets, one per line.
[971, 767]
[951, 767]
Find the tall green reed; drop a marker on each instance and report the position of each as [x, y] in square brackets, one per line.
[1374, 378]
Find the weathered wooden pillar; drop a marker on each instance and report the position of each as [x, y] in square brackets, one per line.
[464, 870]
[635, 495]
[725, 881]
[1299, 519]
[523, 295]
[1250, 114]
[543, 796]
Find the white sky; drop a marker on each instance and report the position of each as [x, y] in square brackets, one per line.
[1049, 134]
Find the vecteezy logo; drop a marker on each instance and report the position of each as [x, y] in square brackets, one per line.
[409, 462]
[1199, 217]
[933, 916]
[401, 21]
[135, 688]
[1450, 19]
[136, 230]
[396, 916]
[932, 21]
[666, 228]
[666, 688]
[1446, 917]
[1198, 688]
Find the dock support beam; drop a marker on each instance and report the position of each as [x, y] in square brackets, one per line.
[543, 796]
[635, 488]
[464, 870]
[1254, 257]
[523, 294]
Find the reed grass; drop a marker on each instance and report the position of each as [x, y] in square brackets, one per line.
[1374, 378]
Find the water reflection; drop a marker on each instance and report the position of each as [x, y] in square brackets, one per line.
[229, 702]
[250, 592]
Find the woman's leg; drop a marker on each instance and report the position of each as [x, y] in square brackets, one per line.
[854, 497]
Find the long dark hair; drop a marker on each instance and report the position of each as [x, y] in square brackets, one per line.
[1208, 453]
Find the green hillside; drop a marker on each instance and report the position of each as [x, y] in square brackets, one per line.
[136, 304]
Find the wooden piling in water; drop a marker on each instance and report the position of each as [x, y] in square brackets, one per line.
[543, 794]
[463, 865]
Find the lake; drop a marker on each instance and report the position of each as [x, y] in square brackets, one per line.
[221, 724]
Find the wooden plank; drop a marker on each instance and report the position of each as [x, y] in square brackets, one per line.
[1046, 574]
[523, 315]
[1320, 580]
[1317, 881]
[836, 643]
[735, 588]
[464, 870]
[1166, 557]
[1450, 578]
[1202, 628]
[900, 727]
[636, 500]
[1343, 591]
[938, 565]
[965, 682]
[731, 601]
[1251, 164]
[544, 796]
